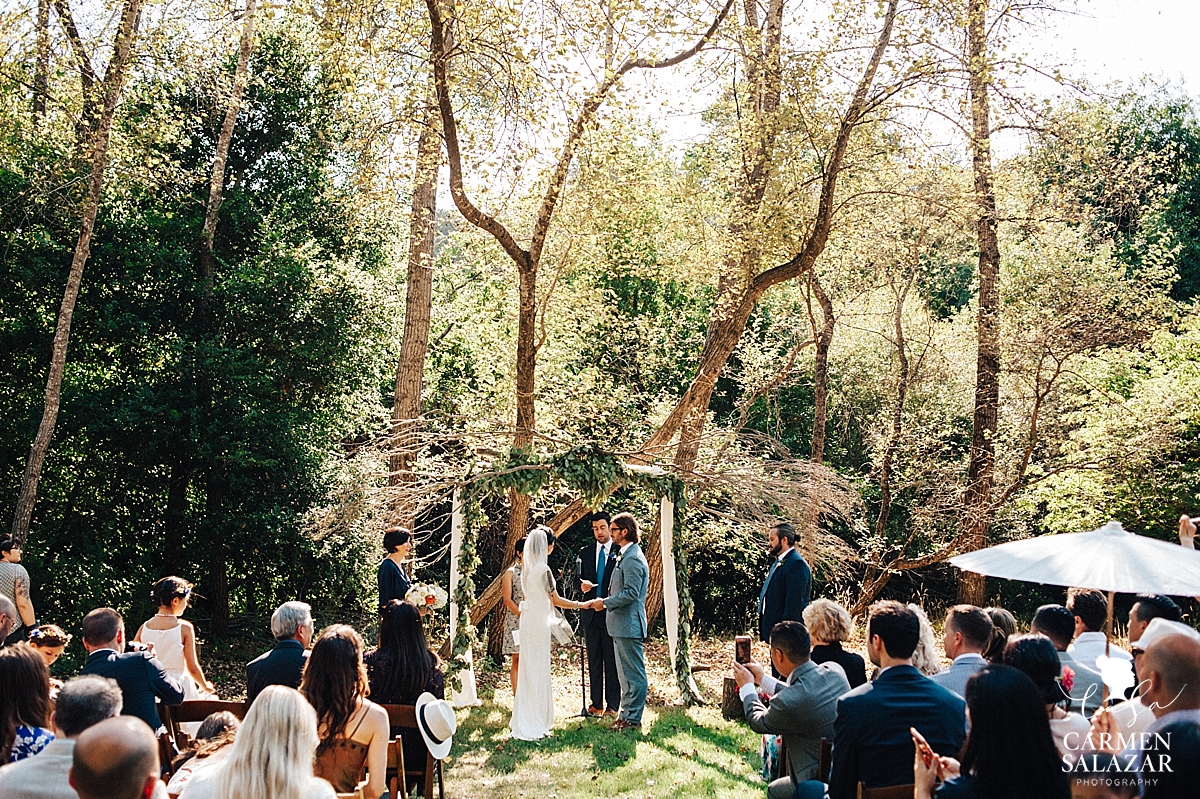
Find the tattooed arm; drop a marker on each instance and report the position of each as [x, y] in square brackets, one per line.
[24, 606]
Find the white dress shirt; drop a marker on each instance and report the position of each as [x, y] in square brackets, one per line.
[1089, 646]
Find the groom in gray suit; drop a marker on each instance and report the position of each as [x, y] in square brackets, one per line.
[626, 606]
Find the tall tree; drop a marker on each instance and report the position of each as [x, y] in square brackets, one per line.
[410, 371]
[527, 259]
[112, 85]
[977, 501]
[215, 478]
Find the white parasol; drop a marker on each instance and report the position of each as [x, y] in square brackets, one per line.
[1111, 559]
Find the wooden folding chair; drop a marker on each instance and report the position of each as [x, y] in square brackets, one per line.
[825, 760]
[404, 719]
[166, 754]
[357, 793]
[397, 785]
[890, 792]
[193, 711]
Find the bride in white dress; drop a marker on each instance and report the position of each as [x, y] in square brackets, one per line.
[533, 705]
[175, 639]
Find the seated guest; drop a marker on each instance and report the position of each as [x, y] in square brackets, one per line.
[802, 708]
[140, 675]
[1101, 777]
[1090, 609]
[1176, 747]
[24, 703]
[272, 755]
[829, 624]
[1035, 657]
[1133, 716]
[352, 729]
[1009, 751]
[871, 739]
[1058, 624]
[82, 703]
[925, 657]
[403, 668]
[1147, 607]
[292, 626]
[1170, 688]
[8, 616]
[1006, 627]
[115, 759]
[968, 631]
[214, 741]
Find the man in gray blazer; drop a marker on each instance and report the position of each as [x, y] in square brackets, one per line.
[626, 622]
[968, 632]
[803, 707]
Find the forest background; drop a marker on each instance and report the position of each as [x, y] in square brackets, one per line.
[343, 253]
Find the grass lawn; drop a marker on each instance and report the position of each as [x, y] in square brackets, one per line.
[678, 752]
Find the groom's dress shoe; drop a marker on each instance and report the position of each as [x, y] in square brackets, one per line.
[595, 711]
[622, 724]
[609, 712]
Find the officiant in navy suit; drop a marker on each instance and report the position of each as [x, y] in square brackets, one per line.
[787, 589]
[595, 572]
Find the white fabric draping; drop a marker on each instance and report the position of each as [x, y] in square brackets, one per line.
[666, 516]
[468, 696]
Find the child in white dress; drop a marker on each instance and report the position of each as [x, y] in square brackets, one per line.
[174, 639]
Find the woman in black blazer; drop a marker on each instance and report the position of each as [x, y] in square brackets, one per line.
[829, 624]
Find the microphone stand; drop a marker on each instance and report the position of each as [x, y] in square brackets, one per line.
[583, 712]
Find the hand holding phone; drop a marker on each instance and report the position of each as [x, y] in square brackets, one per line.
[741, 649]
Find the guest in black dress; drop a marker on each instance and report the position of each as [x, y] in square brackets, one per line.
[829, 624]
[393, 579]
[403, 668]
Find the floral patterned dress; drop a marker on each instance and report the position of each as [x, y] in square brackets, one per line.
[29, 741]
[511, 620]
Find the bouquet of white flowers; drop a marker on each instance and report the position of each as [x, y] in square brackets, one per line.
[427, 595]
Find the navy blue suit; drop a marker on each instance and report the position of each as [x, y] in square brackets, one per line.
[283, 665]
[871, 741]
[789, 590]
[141, 678]
[605, 685]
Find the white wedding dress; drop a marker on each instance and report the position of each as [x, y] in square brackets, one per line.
[533, 706]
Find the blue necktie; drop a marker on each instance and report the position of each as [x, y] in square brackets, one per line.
[762, 595]
[601, 562]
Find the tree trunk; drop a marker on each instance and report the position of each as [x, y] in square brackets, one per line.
[175, 517]
[114, 82]
[91, 108]
[410, 372]
[823, 336]
[978, 497]
[218, 573]
[41, 69]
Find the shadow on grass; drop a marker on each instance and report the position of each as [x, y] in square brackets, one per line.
[674, 732]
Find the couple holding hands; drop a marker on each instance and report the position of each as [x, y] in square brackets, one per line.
[615, 577]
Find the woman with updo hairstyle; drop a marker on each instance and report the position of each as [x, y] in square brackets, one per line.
[394, 581]
[174, 639]
[24, 703]
[1035, 656]
[1004, 626]
[353, 730]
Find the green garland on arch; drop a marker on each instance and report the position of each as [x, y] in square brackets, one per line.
[593, 474]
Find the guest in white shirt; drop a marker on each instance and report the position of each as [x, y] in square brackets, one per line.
[968, 631]
[1133, 716]
[82, 702]
[1090, 609]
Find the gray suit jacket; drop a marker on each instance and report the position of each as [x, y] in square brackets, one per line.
[803, 712]
[954, 677]
[1088, 687]
[626, 601]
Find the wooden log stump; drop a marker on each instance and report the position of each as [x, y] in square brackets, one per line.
[731, 703]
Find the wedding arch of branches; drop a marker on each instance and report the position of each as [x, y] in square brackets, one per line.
[592, 474]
